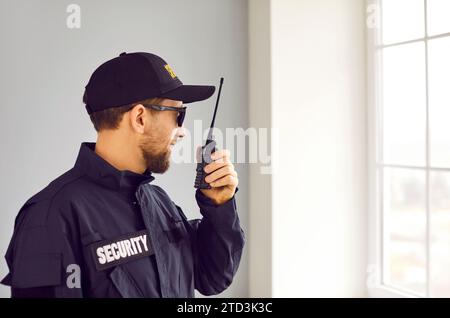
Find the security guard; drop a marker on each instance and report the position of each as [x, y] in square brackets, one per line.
[102, 229]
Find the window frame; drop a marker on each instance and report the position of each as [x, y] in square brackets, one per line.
[375, 285]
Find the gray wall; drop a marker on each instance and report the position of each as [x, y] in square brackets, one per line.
[44, 67]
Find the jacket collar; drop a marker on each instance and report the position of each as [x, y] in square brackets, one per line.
[105, 174]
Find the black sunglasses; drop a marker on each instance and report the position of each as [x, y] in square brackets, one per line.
[181, 111]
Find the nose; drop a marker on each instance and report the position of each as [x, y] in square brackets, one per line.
[181, 132]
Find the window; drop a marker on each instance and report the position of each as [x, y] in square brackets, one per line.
[409, 142]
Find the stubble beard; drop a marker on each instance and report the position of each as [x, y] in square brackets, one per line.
[156, 161]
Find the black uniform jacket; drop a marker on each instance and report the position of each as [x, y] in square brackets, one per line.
[96, 231]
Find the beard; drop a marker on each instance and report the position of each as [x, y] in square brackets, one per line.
[157, 161]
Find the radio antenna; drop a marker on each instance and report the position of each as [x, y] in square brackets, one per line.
[215, 111]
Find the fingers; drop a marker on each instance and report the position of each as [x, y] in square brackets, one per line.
[215, 165]
[221, 155]
[225, 181]
[221, 158]
[221, 172]
[218, 156]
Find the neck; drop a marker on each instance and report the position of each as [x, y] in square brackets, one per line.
[120, 151]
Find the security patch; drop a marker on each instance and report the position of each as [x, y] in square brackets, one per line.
[110, 253]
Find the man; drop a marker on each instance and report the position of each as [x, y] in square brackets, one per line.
[102, 229]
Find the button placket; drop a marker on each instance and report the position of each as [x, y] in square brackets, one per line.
[145, 198]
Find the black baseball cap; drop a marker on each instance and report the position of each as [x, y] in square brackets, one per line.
[132, 77]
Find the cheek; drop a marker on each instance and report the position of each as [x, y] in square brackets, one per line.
[162, 131]
[168, 127]
[166, 135]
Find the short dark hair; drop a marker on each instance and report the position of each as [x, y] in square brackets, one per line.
[110, 118]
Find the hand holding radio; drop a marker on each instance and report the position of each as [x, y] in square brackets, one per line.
[221, 176]
[216, 177]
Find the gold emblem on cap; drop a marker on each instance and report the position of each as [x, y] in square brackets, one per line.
[169, 69]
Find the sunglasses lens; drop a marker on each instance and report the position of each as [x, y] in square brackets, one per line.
[180, 118]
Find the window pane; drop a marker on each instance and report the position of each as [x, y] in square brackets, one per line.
[439, 94]
[403, 20]
[404, 227]
[404, 104]
[440, 234]
[438, 16]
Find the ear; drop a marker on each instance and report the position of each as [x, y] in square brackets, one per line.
[138, 118]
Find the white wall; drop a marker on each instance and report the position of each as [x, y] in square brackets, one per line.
[45, 66]
[306, 77]
[317, 91]
[260, 200]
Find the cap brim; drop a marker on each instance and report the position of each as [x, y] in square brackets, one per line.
[190, 93]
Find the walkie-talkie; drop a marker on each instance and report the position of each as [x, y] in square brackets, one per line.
[204, 154]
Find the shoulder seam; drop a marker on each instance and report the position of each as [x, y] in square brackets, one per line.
[62, 187]
[50, 199]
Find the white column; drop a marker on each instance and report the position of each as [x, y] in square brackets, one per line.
[260, 229]
[307, 72]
